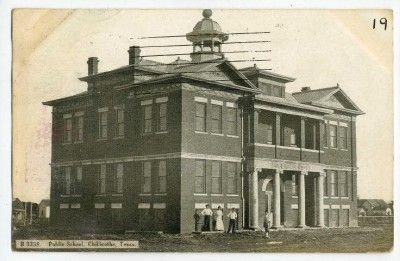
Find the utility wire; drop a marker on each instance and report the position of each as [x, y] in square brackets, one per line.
[227, 43]
[206, 62]
[202, 34]
[174, 54]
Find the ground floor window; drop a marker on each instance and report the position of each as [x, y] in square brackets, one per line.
[160, 219]
[345, 217]
[144, 219]
[326, 217]
[116, 218]
[334, 216]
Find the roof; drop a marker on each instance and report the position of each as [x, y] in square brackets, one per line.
[45, 202]
[289, 101]
[76, 96]
[254, 70]
[332, 98]
[376, 204]
[185, 76]
[145, 65]
[313, 95]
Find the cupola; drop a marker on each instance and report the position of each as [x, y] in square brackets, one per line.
[207, 38]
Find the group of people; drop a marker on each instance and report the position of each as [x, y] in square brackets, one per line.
[208, 213]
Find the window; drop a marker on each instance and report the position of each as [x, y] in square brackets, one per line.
[265, 125]
[325, 134]
[201, 116]
[120, 122]
[293, 140]
[232, 121]
[101, 187]
[334, 183]
[103, 125]
[67, 130]
[342, 137]
[326, 184]
[148, 115]
[79, 127]
[146, 182]
[119, 179]
[200, 178]
[343, 184]
[345, 218]
[216, 177]
[333, 136]
[67, 188]
[216, 121]
[79, 132]
[231, 178]
[162, 117]
[295, 186]
[311, 135]
[76, 182]
[162, 177]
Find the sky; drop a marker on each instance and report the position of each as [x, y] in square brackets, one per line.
[318, 48]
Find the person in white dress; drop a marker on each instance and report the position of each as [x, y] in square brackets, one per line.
[219, 225]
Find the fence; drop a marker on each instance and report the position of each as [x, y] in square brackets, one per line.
[364, 221]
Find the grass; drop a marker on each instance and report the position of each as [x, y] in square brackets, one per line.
[360, 239]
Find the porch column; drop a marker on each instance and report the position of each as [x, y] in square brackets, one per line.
[277, 198]
[302, 201]
[253, 180]
[320, 199]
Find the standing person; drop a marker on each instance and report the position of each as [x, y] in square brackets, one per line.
[207, 213]
[267, 222]
[232, 215]
[219, 225]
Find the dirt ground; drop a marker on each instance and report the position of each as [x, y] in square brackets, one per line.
[361, 239]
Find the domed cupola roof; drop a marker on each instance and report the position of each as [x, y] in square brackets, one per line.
[207, 29]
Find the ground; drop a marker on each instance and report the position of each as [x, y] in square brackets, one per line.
[360, 239]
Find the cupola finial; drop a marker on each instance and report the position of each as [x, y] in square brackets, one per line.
[207, 13]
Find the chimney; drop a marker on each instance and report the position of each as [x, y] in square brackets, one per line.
[93, 64]
[305, 89]
[134, 55]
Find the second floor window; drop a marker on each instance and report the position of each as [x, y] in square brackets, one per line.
[295, 185]
[67, 184]
[200, 177]
[293, 140]
[76, 182]
[333, 181]
[146, 182]
[200, 116]
[67, 130]
[162, 117]
[216, 118]
[324, 130]
[326, 184]
[79, 131]
[333, 136]
[216, 177]
[232, 121]
[147, 118]
[103, 124]
[119, 179]
[101, 185]
[120, 122]
[342, 137]
[343, 184]
[231, 178]
[162, 177]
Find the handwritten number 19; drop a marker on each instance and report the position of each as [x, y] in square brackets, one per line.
[382, 21]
